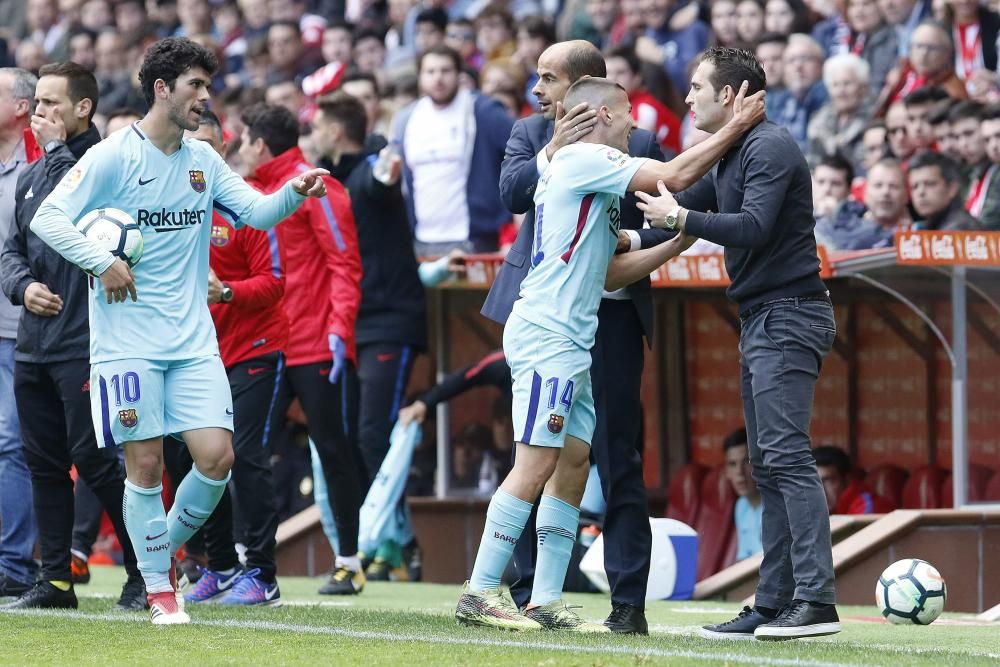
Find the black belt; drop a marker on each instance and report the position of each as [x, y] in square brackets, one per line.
[753, 310]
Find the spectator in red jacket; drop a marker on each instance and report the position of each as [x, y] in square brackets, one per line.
[322, 298]
[245, 287]
[844, 494]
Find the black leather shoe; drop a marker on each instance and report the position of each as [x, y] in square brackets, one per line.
[12, 587]
[44, 595]
[133, 597]
[627, 619]
[801, 619]
[740, 628]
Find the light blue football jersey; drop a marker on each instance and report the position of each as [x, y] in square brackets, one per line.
[171, 197]
[577, 211]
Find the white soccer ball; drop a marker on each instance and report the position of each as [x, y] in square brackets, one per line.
[115, 231]
[911, 591]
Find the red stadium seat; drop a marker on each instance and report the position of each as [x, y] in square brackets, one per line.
[923, 489]
[715, 523]
[888, 481]
[993, 488]
[979, 478]
[683, 501]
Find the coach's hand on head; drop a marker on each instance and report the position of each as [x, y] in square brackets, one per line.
[570, 126]
[118, 282]
[310, 183]
[748, 111]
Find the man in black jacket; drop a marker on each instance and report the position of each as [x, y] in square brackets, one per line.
[52, 360]
[625, 316]
[391, 327]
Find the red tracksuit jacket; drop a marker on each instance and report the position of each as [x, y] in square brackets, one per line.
[323, 267]
[254, 323]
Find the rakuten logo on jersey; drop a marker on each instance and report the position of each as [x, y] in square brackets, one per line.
[170, 221]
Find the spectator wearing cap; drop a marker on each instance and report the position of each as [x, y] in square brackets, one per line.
[871, 39]
[935, 184]
[671, 48]
[804, 92]
[748, 511]
[872, 224]
[839, 125]
[931, 63]
[452, 143]
[903, 16]
[844, 493]
[989, 216]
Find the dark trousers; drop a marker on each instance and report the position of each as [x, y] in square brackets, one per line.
[782, 348]
[332, 415]
[256, 385]
[53, 402]
[616, 374]
[383, 372]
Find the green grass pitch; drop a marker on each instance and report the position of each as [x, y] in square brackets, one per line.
[412, 624]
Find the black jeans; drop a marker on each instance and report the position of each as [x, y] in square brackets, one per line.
[53, 404]
[782, 346]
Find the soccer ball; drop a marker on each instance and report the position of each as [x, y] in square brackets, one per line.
[910, 591]
[115, 231]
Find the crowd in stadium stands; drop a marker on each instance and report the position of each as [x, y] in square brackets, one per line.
[895, 103]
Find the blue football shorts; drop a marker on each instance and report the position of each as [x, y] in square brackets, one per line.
[552, 394]
[140, 399]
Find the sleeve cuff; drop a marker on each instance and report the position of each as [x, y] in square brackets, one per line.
[542, 161]
[634, 240]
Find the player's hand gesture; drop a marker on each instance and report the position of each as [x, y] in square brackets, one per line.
[570, 126]
[118, 282]
[310, 183]
[40, 300]
[748, 111]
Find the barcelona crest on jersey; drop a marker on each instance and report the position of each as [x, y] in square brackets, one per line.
[220, 235]
[197, 180]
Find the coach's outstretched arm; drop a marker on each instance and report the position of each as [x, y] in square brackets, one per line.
[685, 169]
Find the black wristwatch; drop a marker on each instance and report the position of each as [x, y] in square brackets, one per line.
[53, 145]
[227, 293]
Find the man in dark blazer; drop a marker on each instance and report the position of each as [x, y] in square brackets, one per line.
[625, 317]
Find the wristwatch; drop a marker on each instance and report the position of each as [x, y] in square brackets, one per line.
[53, 145]
[671, 219]
[227, 293]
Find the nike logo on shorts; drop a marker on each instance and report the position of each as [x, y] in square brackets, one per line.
[229, 412]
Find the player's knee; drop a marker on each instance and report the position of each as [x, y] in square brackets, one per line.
[217, 465]
[536, 470]
[146, 469]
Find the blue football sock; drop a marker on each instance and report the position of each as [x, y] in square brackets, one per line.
[146, 524]
[194, 502]
[556, 526]
[505, 521]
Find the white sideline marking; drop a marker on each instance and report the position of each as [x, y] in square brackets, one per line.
[715, 656]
